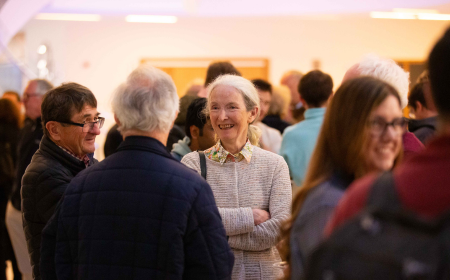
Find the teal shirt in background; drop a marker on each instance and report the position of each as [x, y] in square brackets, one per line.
[299, 142]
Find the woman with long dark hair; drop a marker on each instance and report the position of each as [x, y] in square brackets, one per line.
[361, 133]
[10, 120]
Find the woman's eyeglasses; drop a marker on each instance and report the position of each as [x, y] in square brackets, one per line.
[379, 126]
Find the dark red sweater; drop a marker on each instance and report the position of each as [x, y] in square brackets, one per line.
[422, 182]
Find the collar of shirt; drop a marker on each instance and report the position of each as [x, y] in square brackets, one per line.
[84, 159]
[219, 154]
[315, 113]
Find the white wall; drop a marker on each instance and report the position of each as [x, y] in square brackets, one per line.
[100, 55]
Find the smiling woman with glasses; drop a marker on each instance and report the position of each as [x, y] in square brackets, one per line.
[361, 133]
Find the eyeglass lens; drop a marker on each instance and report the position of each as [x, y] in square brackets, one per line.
[90, 125]
[379, 126]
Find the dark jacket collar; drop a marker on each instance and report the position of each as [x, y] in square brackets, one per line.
[413, 125]
[143, 143]
[49, 148]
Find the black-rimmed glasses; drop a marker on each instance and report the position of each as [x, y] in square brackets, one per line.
[87, 126]
[378, 126]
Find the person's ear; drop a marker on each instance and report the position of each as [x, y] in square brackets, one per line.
[116, 120]
[419, 107]
[253, 114]
[195, 131]
[54, 129]
[303, 102]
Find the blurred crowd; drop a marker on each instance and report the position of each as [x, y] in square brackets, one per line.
[225, 183]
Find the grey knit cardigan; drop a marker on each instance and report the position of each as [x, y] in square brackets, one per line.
[238, 187]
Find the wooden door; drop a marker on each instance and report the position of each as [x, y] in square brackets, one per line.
[185, 70]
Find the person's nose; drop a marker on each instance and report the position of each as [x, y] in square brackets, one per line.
[391, 133]
[95, 129]
[223, 115]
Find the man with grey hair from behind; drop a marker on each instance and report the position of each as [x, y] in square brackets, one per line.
[149, 216]
[390, 72]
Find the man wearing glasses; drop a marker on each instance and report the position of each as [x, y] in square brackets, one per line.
[28, 143]
[71, 122]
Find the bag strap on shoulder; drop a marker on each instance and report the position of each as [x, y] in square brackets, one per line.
[202, 164]
[383, 195]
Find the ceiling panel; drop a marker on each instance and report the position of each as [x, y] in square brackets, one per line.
[234, 7]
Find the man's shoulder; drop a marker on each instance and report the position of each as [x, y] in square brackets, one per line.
[146, 165]
[296, 134]
[296, 129]
[43, 163]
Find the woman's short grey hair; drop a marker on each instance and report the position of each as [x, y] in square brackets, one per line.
[249, 94]
[388, 71]
[147, 101]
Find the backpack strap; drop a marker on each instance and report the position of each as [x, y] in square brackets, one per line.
[202, 164]
[383, 195]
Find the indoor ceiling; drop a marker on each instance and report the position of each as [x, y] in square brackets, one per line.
[206, 8]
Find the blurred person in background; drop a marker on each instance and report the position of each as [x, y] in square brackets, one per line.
[364, 138]
[274, 116]
[251, 186]
[422, 107]
[422, 182]
[216, 69]
[149, 217]
[270, 138]
[299, 140]
[71, 123]
[29, 139]
[200, 134]
[9, 133]
[291, 79]
[390, 72]
[15, 98]
[178, 131]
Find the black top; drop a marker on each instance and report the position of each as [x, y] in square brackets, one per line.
[113, 140]
[44, 182]
[276, 122]
[29, 138]
[423, 129]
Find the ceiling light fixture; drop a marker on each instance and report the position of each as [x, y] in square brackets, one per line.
[69, 17]
[416, 11]
[411, 14]
[433, 16]
[151, 19]
[392, 15]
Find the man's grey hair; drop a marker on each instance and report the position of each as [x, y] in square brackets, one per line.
[147, 101]
[388, 71]
[42, 86]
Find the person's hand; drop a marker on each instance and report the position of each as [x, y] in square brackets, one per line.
[260, 216]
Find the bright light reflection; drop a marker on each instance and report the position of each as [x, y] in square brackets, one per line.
[411, 15]
[151, 19]
[416, 11]
[42, 49]
[392, 15]
[41, 64]
[434, 16]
